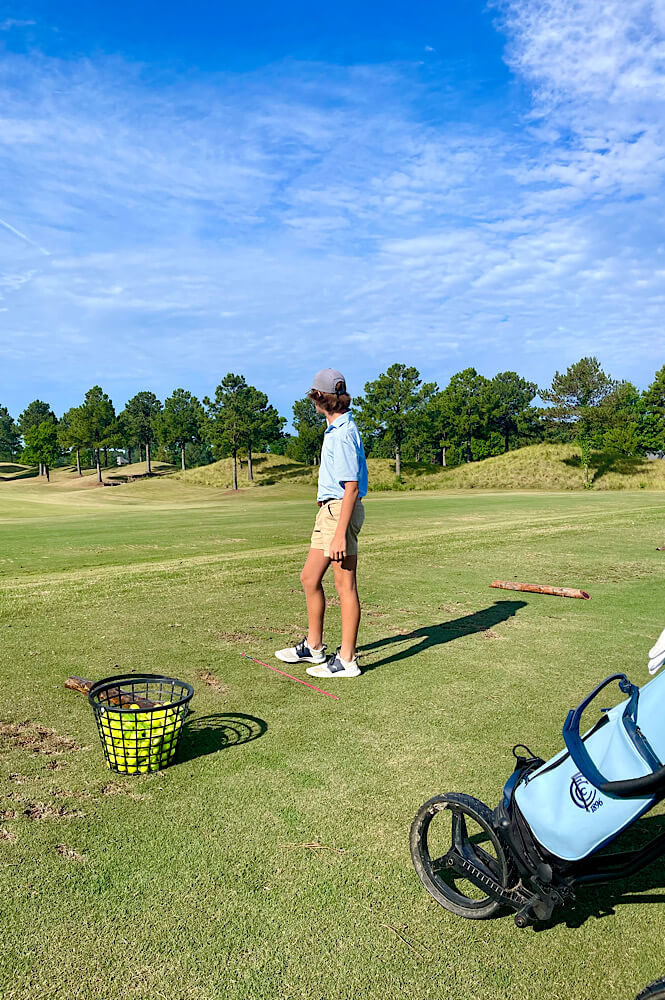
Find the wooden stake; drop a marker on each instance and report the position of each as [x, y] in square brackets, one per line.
[535, 588]
[83, 685]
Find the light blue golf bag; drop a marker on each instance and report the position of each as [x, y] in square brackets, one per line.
[546, 836]
[568, 802]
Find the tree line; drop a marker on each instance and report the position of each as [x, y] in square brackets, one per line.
[400, 417]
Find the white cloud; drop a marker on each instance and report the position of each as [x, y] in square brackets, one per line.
[597, 69]
[308, 213]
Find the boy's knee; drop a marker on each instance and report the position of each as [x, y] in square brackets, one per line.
[308, 581]
[345, 583]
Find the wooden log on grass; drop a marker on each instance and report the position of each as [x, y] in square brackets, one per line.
[535, 588]
[83, 685]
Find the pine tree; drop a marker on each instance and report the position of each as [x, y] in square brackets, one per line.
[392, 406]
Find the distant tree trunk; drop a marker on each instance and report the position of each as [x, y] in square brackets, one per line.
[443, 455]
[506, 440]
[250, 471]
[398, 461]
[106, 457]
[140, 452]
[585, 448]
[129, 454]
[41, 469]
[48, 478]
[78, 462]
[147, 458]
[99, 467]
[235, 470]
[182, 457]
[468, 447]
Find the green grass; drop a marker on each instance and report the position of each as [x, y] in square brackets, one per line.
[196, 882]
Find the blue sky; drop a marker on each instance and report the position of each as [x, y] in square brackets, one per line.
[187, 190]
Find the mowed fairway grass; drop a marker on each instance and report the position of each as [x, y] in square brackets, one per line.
[272, 860]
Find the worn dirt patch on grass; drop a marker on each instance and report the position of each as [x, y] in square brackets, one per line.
[34, 738]
[8, 814]
[45, 810]
[236, 637]
[115, 788]
[371, 611]
[7, 836]
[212, 682]
[69, 853]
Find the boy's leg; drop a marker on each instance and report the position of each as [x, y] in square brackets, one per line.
[347, 589]
[316, 564]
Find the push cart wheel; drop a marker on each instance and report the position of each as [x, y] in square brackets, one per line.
[654, 991]
[458, 826]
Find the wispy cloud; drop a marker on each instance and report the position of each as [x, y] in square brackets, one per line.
[12, 22]
[308, 213]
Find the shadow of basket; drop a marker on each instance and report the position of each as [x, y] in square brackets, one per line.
[211, 733]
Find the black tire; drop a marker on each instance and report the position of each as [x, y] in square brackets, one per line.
[450, 889]
[654, 991]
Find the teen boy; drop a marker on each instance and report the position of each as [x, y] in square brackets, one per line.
[342, 485]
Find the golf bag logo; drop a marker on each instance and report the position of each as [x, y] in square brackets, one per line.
[583, 793]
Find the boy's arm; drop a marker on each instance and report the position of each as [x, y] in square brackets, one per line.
[338, 543]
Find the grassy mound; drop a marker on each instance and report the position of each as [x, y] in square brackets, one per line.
[268, 471]
[540, 466]
[559, 467]
[12, 470]
[137, 470]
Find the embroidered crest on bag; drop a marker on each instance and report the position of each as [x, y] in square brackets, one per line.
[583, 793]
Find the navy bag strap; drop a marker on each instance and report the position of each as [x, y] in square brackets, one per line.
[571, 728]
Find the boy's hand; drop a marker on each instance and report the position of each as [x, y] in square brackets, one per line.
[338, 547]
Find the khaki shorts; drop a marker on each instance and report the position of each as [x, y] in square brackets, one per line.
[326, 523]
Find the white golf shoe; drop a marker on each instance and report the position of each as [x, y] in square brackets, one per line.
[302, 653]
[335, 667]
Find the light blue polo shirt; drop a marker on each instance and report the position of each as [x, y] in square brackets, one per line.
[342, 459]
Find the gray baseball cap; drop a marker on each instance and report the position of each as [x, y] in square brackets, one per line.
[328, 379]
